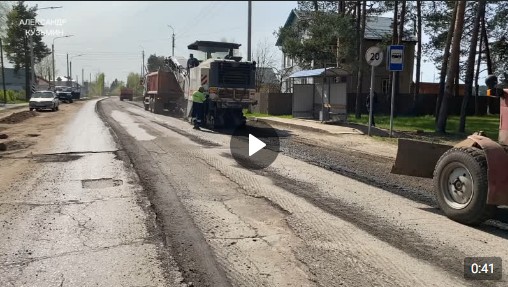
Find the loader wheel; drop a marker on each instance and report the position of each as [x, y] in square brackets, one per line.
[461, 185]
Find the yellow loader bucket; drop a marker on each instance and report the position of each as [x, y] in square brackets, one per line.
[417, 158]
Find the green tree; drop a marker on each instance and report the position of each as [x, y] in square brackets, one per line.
[453, 66]
[114, 84]
[100, 84]
[21, 31]
[314, 40]
[471, 64]
[496, 27]
[133, 83]
[154, 62]
[361, 18]
[5, 8]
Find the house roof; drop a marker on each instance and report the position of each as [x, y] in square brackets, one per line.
[378, 27]
[317, 73]
[375, 29]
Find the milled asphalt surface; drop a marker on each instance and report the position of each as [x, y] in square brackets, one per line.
[343, 224]
[79, 218]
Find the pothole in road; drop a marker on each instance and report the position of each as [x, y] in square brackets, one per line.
[57, 157]
[15, 145]
[101, 183]
[33, 135]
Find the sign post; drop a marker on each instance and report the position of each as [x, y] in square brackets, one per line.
[374, 57]
[395, 64]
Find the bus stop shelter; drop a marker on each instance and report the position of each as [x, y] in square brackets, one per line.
[325, 98]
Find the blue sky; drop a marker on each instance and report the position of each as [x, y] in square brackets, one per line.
[111, 35]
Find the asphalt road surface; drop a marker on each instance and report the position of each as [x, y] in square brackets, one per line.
[292, 224]
[113, 195]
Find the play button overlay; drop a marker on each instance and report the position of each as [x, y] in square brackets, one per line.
[255, 146]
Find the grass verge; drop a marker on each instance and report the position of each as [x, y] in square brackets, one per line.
[488, 124]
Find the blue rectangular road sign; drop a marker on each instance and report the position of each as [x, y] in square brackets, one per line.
[395, 57]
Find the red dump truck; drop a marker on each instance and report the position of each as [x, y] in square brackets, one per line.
[162, 92]
[126, 93]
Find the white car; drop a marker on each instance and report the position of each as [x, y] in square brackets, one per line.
[44, 100]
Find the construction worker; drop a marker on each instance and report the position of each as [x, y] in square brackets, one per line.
[198, 99]
[192, 62]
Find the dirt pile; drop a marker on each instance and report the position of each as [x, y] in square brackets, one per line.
[18, 117]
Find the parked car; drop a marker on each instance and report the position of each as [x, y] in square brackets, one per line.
[64, 93]
[44, 100]
[76, 93]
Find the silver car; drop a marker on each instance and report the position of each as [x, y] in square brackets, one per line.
[44, 100]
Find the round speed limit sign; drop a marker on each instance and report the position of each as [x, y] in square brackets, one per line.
[374, 56]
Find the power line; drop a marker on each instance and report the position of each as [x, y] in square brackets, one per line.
[206, 10]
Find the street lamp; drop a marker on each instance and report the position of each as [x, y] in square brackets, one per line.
[51, 7]
[173, 37]
[143, 59]
[53, 53]
[70, 65]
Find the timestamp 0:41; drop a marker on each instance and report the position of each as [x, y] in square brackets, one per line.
[483, 268]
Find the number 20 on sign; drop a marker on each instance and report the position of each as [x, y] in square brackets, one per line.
[374, 56]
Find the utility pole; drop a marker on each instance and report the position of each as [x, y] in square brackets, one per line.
[27, 68]
[249, 32]
[53, 54]
[34, 80]
[70, 66]
[3, 71]
[173, 37]
[143, 66]
[53, 62]
[82, 77]
[67, 65]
